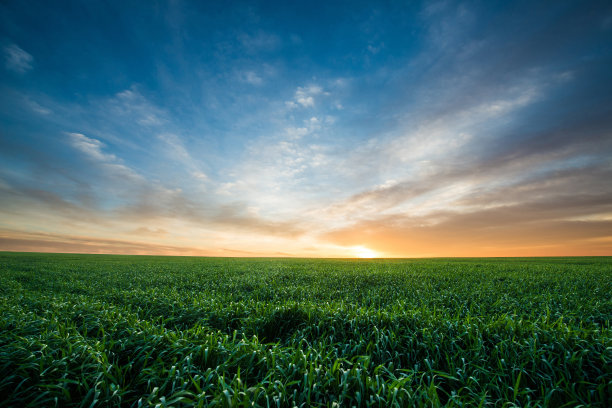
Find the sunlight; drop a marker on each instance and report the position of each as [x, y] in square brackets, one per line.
[363, 252]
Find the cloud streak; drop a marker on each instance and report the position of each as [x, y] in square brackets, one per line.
[17, 60]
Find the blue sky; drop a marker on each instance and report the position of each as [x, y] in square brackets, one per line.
[307, 128]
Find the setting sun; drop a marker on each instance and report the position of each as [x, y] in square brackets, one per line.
[363, 252]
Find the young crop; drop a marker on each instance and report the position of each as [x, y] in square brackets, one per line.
[85, 330]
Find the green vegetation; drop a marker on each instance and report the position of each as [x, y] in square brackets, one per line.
[89, 330]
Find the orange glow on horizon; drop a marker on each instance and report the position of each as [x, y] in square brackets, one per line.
[363, 252]
[366, 241]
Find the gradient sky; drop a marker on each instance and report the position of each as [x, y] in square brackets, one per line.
[306, 128]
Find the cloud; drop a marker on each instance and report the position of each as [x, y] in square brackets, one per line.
[421, 144]
[11, 240]
[133, 104]
[251, 77]
[449, 183]
[296, 132]
[175, 146]
[138, 200]
[575, 191]
[109, 163]
[166, 213]
[124, 198]
[305, 96]
[14, 240]
[494, 212]
[524, 229]
[159, 204]
[19, 199]
[36, 107]
[281, 173]
[309, 126]
[91, 147]
[200, 176]
[149, 231]
[178, 152]
[16, 59]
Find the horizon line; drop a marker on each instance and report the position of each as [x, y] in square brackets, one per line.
[303, 257]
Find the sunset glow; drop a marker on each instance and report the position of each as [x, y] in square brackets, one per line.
[363, 252]
[307, 129]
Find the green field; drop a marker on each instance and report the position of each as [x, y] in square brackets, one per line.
[101, 330]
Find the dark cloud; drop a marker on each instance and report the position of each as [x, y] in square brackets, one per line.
[20, 241]
[11, 240]
[577, 153]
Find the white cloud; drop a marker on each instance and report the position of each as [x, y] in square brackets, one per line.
[176, 146]
[251, 77]
[36, 107]
[305, 101]
[92, 149]
[310, 125]
[17, 60]
[520, 97]
[305, 96]
[132, 103]
[296, 132]
[200, 176]
[283, 175]
[226, 189]
[420, 146]
[409, 170]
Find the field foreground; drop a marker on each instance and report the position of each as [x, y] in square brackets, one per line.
[92, 330]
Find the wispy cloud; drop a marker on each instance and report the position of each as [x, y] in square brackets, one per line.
[91, 147]
[17, 59]
[109, 163]
[36, 107]
[54, 242]
[178, 152]
[547, 214]
[133, 104]
[250, 77]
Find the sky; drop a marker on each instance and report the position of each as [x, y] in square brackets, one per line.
[311, 129]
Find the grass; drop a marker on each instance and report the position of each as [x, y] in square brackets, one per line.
[93, 330]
